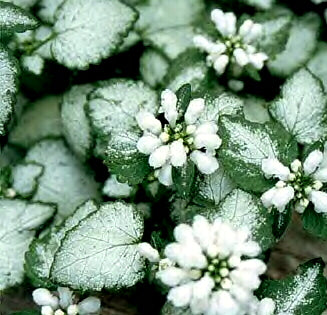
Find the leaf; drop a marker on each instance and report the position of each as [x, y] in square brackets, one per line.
[26, 313]
[8, 86]
[169, 309]
[299, 48]
[246, 144]
[25, 178]
[282, 221]
[14, 19]
[184, 179]
[124, 159]
[260, 4]
[40, 256]
[213, 188]
[101, 251]
[315, 223]
[220, 104]
[76, 126]
[65, 181]
[189, 67]
[317, 63]
[39, 120]
[19, 221]
[301, 108]
[276, 30]
[304, 293]
[163, 14]
[171, 41]
[153, 67]
[184, 94]
[88, 31]
[242, 209]
[25, 4]
[113, 105]
[256, 109]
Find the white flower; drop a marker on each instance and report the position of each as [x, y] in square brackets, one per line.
[303, 184]
[266, 307]
[182, 137]
[63, 302]
[208, 272]
[235, 46]
[147, 251]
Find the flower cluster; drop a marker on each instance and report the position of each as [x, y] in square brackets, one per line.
[207, 269]
[235, 46]
[301, 183]
[63, 302]
[183, 135]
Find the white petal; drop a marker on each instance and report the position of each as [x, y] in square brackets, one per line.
[147, 251]
[312, 162]
[241, 57]
[208, 127]
[183, 233]
[222, 303]
[254, 34]
[180, 296]
[168, 104]
[241, 294]
[245, 28]
[208, 141]
[250, 249]
[253, 265]
[230, 25]
[177, 153]
[202, 231]
[165, 176]
[148, 122]
[245, 279]
[282, 197]
[72, 309]
[199, 306]
[148, 143]
[65, 297]
[267, 197]
[220, 64]
[159, 157]
[44, 297]
[319, 199]
[89, 305]
[194, 110]
[203, 287]
[258, 59]
[266, 307]
[272, 167]
[207, 164]
[218, 17]
[172, 276]
[47, 310]
[321, 175]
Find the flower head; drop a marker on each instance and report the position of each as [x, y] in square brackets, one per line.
[63, 302]
[301, 182]
[211, 268]
[179, 137]
[234, 46]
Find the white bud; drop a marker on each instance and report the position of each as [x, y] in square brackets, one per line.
[194, 110]
[165, 175]
[72, 309]
[236, 85]
[301, 205]
[148, 143]
[280, 184]
[148, 122]
[207, 164]
[291, 177]
[59, 312]
[241, 57]
[147, 251]
[47, 310]
[319, 199]
[226, 284]
[317, 185]
[164, 137]
[160, 156]
[44, 297]
[89, 305]
[312, 162]
[220, 64]
[180, 296]
[177, 153]
[296, 165]
[272, 167]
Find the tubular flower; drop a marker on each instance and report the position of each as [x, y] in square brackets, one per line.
[63, 302]
[301, 182]
[212, 269]
[237, 46]
[179, 138]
